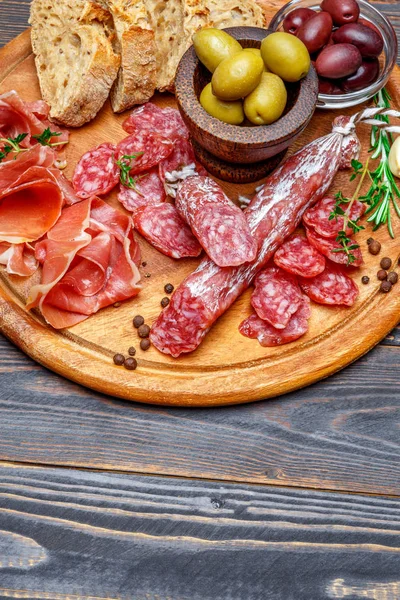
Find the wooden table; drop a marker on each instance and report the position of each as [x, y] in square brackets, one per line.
[296, 498]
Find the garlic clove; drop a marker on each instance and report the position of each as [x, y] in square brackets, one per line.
[394, 157]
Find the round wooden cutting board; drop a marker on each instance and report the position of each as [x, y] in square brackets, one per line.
[227, 368]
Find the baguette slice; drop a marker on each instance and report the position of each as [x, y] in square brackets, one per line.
[75, 60]
[136, 81]
[175, 22]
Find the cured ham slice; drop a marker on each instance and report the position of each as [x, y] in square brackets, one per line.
[19, 259]
[89, 261]
[29, 207]
[17, 117]
[11, 170]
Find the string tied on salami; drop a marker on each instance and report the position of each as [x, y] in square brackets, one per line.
[347, 125]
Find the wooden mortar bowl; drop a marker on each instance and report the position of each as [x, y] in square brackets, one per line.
[241, 153]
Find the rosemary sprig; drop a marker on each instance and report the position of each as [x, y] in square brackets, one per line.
[346, 243]
[383, 189]
[125, 165]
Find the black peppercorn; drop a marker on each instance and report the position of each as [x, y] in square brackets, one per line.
[164, 302]
[374, 247]
[386, 263]
[144, 331]
[386, 286]
[381, 275]
[132, 351]
[119, 359]
[130, 364]
[138, 321]
[145, 344]
[393, 277]
[365, 280]
[168, 288]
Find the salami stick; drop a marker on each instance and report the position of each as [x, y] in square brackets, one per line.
[272, 216]
[219, 225]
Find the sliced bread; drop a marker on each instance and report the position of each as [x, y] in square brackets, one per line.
[75, 60]
[136, 81]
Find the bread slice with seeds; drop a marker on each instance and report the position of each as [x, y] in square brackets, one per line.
[73, 45]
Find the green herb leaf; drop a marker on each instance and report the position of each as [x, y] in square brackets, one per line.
[125, 165]
[45, 137]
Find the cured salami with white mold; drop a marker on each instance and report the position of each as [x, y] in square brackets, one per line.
[218, 224]
[276, 297]
[298, 257]
[268, 336]
[162, 226]
[273, 215]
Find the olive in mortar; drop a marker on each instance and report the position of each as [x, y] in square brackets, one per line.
[249, 81]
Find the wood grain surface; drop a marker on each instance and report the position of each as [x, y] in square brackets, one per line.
[80, 535]
[341, 434]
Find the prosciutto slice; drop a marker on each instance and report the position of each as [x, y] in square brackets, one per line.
[89, 261]
[19, 259]
[17, 117]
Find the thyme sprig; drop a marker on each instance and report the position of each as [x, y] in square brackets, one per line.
[45, 137]
[125, 165]
[347, 244]
[13, 145]
[383, 191]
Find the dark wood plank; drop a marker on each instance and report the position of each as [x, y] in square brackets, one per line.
[68, 534]
[342, 433]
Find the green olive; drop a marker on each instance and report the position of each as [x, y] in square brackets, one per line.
[212, 46]
[267, 102]
[257, 52]
[285, 55]
[228, 112]
[237, 76]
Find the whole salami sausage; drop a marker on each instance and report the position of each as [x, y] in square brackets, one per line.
[272, 216]
[219, 225]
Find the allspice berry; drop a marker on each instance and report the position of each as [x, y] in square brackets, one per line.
[381, 274]
[144, 331]
[393, 277]
[386, 263]
[385, 287]
[374, 247]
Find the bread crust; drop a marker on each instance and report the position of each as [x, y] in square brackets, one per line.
[74, 57]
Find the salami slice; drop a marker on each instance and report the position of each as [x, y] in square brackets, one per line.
[97, 172]
[298, 257]
[276, 296]
[327, 247]
[219, 225]
[150, 117]
[331, 287]
[148, 190]
[149, 149]
[317, 217]
[162, 226]
[182, 156]
[268, 336]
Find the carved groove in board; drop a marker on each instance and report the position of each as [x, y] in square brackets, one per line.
[20, 552]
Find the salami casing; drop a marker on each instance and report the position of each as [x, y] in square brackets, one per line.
[273, 215]
[162, 226]
[268, 336]
[96, 173]
[219, 225]
[317, 217]
[332, 287]
[276, 297]
[297, 256]
[330, 248]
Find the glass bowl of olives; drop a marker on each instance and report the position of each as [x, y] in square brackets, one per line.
[352, 45]
[235, 147]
